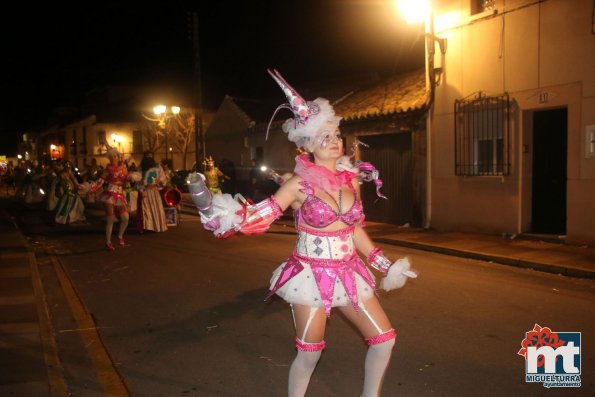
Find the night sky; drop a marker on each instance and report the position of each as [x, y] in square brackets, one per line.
[51, 59]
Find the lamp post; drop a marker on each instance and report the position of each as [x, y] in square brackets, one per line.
[199, 138]
[164, 116]
[420, 11]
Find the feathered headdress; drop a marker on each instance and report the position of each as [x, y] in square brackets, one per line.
[309, 116]
[110, 149]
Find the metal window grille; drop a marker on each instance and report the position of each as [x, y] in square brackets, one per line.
[482, 136]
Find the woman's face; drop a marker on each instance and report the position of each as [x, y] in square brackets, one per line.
[114, 159]
[328, 143]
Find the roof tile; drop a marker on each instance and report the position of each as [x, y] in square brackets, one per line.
[395, 94]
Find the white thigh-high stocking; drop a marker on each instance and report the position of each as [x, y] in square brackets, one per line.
[301, 370]
[377, 360]
[305, 361]
[108, 228]
[123, 223]
[378, 356]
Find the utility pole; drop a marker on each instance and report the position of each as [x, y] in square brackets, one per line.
[199, 140]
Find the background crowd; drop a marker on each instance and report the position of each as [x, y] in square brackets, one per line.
[59, 187]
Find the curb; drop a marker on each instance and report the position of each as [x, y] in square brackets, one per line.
[503, 260]
[55, 373]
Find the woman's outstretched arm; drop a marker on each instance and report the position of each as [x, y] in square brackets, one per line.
[225, 216]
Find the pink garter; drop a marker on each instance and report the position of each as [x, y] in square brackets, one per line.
[309, 347]
[381, 338]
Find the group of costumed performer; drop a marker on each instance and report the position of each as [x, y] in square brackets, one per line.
[324, 270]
[70, 207]
[112, 180]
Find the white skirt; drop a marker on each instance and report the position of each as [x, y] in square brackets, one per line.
[302, 289]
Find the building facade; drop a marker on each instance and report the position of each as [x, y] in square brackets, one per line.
[512, 134]
[116, 115]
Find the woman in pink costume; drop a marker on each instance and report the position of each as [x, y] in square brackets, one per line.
[114, 177]
[324, 270]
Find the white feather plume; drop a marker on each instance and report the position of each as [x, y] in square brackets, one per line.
[343, 163]
[225, 210]
[397, 275]
[135, 176]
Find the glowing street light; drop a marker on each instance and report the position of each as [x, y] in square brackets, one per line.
[117, 140]
[159, 109]
[414, 11]
[418, 11]
[163, 115]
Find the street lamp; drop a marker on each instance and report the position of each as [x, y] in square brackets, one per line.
[420, 11]
[163, 117]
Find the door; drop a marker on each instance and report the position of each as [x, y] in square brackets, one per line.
[549, 171]
[391, 155]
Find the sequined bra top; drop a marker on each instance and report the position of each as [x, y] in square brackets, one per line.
[116, 175]
[317, 213]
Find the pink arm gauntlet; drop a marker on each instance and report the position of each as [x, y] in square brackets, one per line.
[228, 216]
[259, 216]
[378, 261]
[96, 185]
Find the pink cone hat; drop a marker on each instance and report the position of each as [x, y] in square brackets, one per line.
[301, 109]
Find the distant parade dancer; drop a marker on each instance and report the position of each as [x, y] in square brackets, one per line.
[114, 178]
[324, 270]
[70, 207]
[212, 174]
[150, 212]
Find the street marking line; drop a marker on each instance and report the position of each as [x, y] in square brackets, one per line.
[108, 375]
[54, 368]
[17, 300]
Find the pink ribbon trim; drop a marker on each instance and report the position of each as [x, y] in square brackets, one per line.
[309, 347]
[381, 338]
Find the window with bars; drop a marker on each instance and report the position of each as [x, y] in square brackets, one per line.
[482, 136]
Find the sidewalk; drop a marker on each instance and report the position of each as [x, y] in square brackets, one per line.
[28, 359]
[557, 258]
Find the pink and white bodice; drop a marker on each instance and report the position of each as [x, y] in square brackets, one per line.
[317, 213]
[337, 245]
[116, 175]
[116, 178]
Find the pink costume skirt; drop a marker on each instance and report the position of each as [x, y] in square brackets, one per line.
[113, 194]
[323, 271]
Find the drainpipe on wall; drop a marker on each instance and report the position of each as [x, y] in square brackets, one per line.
[428, 108]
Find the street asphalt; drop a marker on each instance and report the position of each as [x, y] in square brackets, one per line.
[29, 364]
